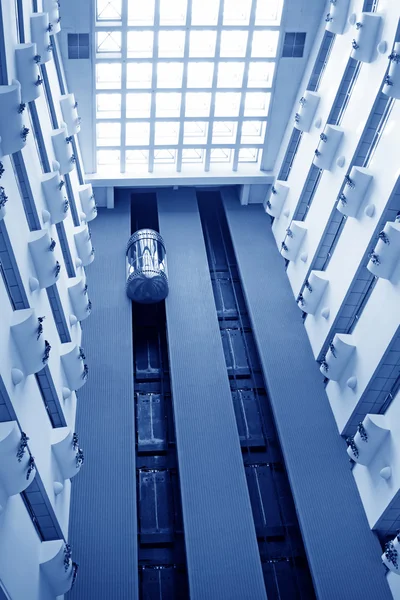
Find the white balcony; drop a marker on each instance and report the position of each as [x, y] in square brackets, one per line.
[13, 468]
[63, 150]
[52, 8]
[274, 203]
[12, 138]
[338, 356]
[366, 37]
[294, 238]
[40, 35]
[70, 113]
[338, 11]
[313, 292]
[306, 113]
[328, 146]
[368, 439]
[56, 201]
[27, 71]
[386, 257]
[88, 201]
[391, 557]
[74, 367]
[44, 259]
[354, 192]
[79, 298]
[30, 345]
[56, 567]
[392, 81]
[84, 245]
[65, 451]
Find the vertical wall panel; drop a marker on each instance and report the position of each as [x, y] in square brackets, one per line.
[343, 553]
[103, 525]
[222, 554]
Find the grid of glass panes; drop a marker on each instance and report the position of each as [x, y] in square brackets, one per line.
[183, 81]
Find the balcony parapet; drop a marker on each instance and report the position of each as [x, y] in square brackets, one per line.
[328, 146]
[354, 192]
[337, 17]
[40, 35]
[337, 358]
[63, 149]
[391, 85]
[13, 132]
[17, 469]
[79, 298]
[273, 204]
[295, 235]
[366, 37]
[69, 109]
[75, 369]
[57, 203]
[385, 258]
[88, 201]
[57, 566]
[27, 64]
[316, 284]
[306, 113]
[371, 433]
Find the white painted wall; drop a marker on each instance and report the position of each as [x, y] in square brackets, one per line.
[20, 545]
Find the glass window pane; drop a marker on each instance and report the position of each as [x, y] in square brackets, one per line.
[261, 74]
[137, 134]
[248, 154]
[169, 75]
[110, 158]
[233, 43]
[141, 13]
[137, 157]
[223, 155]
[140, 44]
[237, 12]
[162, 156]
[167, 132]
[202, 43]
[230, 74]
[268, 13]
[108, 134]
[192, 155]
[198, 104]
[224, 132]
[108, 41]
[171, 44]
[256, 104]
[108, 75]
[195, 132]
[138, 75]
[200, 74]
[173, 13]
[227, 104]
[264, 44]
[205, 12]
[138, 105]
[108, 10]
[108, 106]
[253, 132]
[168, 104]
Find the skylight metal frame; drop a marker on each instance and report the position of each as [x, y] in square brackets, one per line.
[204, 149]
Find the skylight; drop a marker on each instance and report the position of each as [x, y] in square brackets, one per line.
[183, 84]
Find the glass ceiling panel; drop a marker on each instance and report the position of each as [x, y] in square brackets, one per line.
[141, 13]
[205, 12]
[177, 83]
[108, 10]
